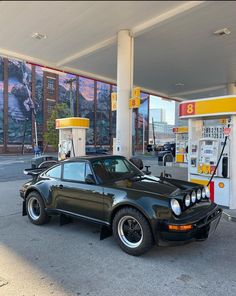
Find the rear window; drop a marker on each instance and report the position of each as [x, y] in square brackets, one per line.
[55, 172]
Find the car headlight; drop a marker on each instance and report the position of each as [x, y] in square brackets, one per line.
[175, 206]
[199, 194]
[187, 200]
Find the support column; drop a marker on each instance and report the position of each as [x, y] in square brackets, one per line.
[231, 89]
[125, 58]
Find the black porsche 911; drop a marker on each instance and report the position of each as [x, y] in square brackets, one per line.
[138, 209]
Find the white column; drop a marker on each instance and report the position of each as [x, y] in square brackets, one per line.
[125, 58]
[231, 88]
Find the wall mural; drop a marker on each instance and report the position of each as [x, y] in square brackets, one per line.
[1, 100]
[67, 91]
[22, 107]
[39, 103]
[20, 104]
[103, 113]
[86, 105]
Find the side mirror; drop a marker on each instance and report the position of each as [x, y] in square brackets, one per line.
[89, 179]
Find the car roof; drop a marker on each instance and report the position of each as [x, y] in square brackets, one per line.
[92, 157]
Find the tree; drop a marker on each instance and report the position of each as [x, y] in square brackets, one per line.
[51, 136]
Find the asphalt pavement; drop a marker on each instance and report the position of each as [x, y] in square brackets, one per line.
[71, 260]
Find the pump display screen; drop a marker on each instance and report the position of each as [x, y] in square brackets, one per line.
[208, 142]
[208, 151]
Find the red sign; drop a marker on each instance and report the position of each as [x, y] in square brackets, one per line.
[187, 109]
[227, 131]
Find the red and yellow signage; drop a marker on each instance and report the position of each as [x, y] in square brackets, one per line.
[134, 103]
[180, 130]
[205, 107]
[113, 101]
[136, 91]
[72, 122]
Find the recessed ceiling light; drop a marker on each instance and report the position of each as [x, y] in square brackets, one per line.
[221, 32]
[39, 36]
[179, 84]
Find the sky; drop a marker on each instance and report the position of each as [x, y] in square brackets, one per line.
[169, 106]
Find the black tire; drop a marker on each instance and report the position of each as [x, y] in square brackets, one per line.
[132, 231]
[35, 209]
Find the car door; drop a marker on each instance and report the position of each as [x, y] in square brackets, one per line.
[77, 197]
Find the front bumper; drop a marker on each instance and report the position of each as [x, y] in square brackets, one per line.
[203, 228]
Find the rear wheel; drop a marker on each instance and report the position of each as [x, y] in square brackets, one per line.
[132, 231]
[35, 209]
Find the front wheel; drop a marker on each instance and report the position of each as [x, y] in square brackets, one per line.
[132, 231]
[35, 209]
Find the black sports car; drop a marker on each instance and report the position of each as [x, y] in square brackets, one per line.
[138, 209]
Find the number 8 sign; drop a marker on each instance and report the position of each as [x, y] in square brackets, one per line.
[186, 109]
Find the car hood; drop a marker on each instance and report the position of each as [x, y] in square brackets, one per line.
[150, 184]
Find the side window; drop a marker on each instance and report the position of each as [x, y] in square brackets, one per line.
[74, 171]
[54, 172]
[115, 165]
[88, 170]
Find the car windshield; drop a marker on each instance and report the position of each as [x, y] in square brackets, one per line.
[113, 169]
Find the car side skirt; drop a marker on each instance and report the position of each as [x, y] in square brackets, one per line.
[77, 216]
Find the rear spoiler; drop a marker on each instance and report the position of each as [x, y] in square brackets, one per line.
[34, 172]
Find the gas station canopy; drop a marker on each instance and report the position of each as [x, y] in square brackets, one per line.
[183, 49]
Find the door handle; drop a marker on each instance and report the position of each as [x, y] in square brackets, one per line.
[60, 186]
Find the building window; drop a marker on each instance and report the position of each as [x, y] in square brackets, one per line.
[103, 114]
[51, 86]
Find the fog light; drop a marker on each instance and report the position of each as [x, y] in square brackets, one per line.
[208, 194]
[193, 196]
[199, 194]
[175, 206]
[187, 200]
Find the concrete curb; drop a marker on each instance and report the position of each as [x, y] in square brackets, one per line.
[229, 216]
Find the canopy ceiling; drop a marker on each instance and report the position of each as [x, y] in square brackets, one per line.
[176, 52]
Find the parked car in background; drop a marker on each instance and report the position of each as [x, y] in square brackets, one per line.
[169, 147]
[92, 150]
[139, 210]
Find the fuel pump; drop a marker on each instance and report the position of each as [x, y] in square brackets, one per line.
[181, 144]
[212, 145]
[72, 136]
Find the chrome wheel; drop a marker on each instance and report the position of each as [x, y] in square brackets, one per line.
[130, 231]
[34, 208]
